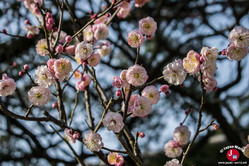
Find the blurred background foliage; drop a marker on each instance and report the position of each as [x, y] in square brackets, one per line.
[182, 26]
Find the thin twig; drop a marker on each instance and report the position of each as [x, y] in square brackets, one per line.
[113, 150]
[75, 105]
[29, 110]
[75, 154]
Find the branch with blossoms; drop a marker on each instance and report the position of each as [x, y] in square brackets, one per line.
[86, 51]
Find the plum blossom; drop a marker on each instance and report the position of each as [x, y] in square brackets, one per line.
[113, 121]
[234, 52]
[93, 141]
[88, 33]
[123, 78]
[100, 31]
[43, 77]
[39, 96]
[135, 38]
[117, 82]
[130, 104]
[209, 54]
[125, 9]
[83, 51]
[83, 83]
[172, 149]
[140, 3]
[173, 162]
[7, 85]
[62, 37]
[94, 59]
[70, 49]
[142, 107]
[77, 74]
[116, 159]
[191, 63]
[239, 36]
[182, 135]
[136, 75]
[104, 19]
[147, 26]
[69, 135]
[62, 68]
[174, 73]
[104, 48]
[151, 93]
[31, 30]
[209, 82]
[41, 47]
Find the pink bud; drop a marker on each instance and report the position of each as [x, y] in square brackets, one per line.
[76, 135]
[55, 105]
[224, 52]
[55, 29]
[51, 21]
[167, 93]
[83, 78]
[84, 63]
[21, 73]
[118, 93]
[215, 126]
[49, 27]
[68, 38]
[59, 48]
[149, 37]
[26, 67]
[164, 88]
[141, 134]
[14, 64]
[27, 22]
[5, 31]
[186, 112]
[215, 89]
[49, 15]
[30, 35]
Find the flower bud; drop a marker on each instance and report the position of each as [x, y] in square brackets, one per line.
[26, 67]
[55, 105]
[141, 134]
[118, 93]
[59, 48]
[68, 38]
[21, 73]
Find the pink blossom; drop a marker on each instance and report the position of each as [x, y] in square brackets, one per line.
[83, 83]
[41, 47]
[209, 68]
[43, 77]
[236, 53]
[59, 49]
[174, 73]
[100, 31]
[7, 85]
[115, 159]
[88, 33]
[191, 63]
[50, 64]
[182, 135]
[83, 51]
[69, 135]
[93, 141]
[173, 162]
[117, 82]
[39, 96]
[70, 49]
[147, 26]
[77, 74]
[151, 93]
[136, 75]
[62, 37]
[113, 121]
[142, 106]
[209, 54]
[239, 36]
[135, 38]
[32, 29]
[104, 19]
[104, 48]
[62, 68]
[172, 149]
[124, 9]
[123, 78]
[94, 59]
[246, 150]
[209, 82]
[130, 104]
[140, 3]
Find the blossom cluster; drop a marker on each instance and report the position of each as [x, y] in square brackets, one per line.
[7, 85]
[173, 148]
